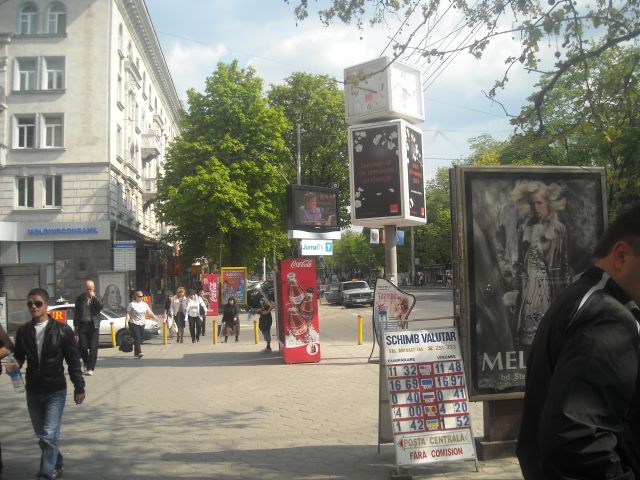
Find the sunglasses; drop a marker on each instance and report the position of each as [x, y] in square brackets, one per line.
[37, 304]
[138, 296]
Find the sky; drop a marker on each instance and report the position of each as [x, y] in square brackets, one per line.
[197, 34]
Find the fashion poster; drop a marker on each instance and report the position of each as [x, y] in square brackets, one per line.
[113, 294]
[528, 233]
[234, 284]
[392, 306]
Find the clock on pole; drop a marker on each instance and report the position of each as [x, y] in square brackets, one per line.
[383, 89]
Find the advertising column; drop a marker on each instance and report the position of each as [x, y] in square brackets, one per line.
[299, 329]
[210, 288]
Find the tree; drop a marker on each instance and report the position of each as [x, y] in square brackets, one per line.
[315, 104]
[581, 31]
[354, 253]
[433, 240]
[591, 118]
[221, 188]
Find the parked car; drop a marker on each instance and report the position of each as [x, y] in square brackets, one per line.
[254, 293]
[65, 312]
[355, 292]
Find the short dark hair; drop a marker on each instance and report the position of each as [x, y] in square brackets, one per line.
[41, 292]
[625, 227]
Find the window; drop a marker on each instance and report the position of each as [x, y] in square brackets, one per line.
[120, 92]
[54, 72]
[24, 186]
[53, 131]
[25, 131]
[28, 20]
[57, 19]
[119, 144]
[27, 73]
[120, 39]
[53, 191]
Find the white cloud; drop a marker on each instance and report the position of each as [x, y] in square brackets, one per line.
[190, 64]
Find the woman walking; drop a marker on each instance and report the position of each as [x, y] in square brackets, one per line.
[231, 319]
[134, 321]
[266, 320]
[179, 312]
[193, 312]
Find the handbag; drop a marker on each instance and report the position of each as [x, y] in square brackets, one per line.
[203, 312]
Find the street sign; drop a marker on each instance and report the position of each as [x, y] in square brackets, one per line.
[317, 247]
[124, 255]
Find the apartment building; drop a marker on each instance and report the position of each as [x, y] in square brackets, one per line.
[87, 109]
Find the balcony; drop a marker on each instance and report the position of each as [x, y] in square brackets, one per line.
[151, 146]
[150, 191]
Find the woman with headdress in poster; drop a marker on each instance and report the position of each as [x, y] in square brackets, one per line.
[543, 263]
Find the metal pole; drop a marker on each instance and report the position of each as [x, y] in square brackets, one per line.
[390, 253]
[298, 163]
[413, 259]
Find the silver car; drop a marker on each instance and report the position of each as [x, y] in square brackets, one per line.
[66, 311]
[355, 292]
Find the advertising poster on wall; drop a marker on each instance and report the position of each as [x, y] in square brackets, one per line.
[428, 397]
[113, 293]
[3, 311]
[210, 288]
[525, 233]
[299, 327]
[415, 172]
[234, 284]
[392, 306]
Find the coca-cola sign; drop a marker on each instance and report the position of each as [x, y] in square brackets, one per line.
[301, 263]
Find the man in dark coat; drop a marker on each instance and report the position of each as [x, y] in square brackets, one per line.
[86, 323]
[45, 344]
[581, 417]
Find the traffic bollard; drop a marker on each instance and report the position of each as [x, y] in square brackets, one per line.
[113, 335]
[359, 329]
[255, 331]
[215, 332]
[165, 333]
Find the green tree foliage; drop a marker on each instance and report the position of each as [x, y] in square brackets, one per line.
[580, 31]
[221, 187]
[590, 118]
[316, 104]
[433, 240]
[354, 253]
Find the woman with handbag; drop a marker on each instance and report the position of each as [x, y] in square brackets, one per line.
[179, 312]
[231, 319]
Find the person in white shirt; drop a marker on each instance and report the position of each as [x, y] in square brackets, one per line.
[134, 321]
[195, 306]
[179, 312]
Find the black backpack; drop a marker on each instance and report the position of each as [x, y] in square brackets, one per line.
[126, 342]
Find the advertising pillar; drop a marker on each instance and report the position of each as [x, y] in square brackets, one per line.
[298, 325]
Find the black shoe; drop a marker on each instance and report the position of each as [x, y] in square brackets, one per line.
[57, 473]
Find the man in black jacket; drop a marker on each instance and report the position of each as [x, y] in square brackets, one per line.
[86, 323]
[581, 417]
[45, 344]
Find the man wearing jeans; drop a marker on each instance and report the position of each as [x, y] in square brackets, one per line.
[86, 323]
[44, 344]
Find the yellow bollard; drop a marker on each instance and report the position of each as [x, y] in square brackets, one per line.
[215, 332]
[255, 331]
[359, 329]
[113, 335]
[165, 333]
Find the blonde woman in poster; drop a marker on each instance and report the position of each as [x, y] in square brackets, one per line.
[543, 263]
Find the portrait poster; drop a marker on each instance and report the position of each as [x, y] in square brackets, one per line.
[112, 291]
[522, 235]
[392, 306]
[3, 311]
[233, 283]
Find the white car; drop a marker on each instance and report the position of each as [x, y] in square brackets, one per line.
[65, 312]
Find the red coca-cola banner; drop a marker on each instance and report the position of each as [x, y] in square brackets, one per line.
[298, 325]
[210, 288]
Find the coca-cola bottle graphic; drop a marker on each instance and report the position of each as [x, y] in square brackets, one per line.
[308, 307]
[295, 291]
[298, 326]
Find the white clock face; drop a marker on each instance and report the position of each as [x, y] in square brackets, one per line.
[368, 91]
[406, 92]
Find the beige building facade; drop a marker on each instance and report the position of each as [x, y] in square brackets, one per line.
[87, 110]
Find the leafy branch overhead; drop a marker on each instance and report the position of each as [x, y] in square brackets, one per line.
[577, 31]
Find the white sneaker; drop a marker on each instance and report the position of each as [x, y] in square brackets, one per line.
[89, 373]
[140, 355]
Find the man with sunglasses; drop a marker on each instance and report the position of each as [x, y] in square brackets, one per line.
[44, 344]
